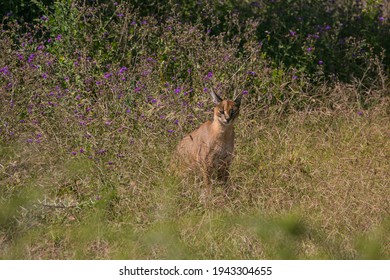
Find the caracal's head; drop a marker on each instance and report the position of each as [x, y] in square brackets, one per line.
[226, 111]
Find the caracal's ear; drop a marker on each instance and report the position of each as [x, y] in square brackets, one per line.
[237, 101]
[216, 98]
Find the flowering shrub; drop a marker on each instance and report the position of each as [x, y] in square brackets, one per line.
[110, 69]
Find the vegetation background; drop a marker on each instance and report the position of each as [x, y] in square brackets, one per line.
[94, 96]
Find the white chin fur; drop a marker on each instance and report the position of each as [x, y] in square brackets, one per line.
[224, 122]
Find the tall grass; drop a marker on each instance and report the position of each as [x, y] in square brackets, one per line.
[94, 98]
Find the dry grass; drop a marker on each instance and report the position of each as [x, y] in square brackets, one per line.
[309, 185]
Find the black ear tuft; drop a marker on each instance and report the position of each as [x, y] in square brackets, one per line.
[237, 101]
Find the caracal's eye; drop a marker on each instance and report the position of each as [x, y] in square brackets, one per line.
[221, 112]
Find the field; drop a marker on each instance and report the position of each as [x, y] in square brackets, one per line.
[94, 97]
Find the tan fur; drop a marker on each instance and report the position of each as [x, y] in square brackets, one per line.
[209, 149]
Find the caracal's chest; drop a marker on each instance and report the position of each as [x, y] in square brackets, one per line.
[217, 151]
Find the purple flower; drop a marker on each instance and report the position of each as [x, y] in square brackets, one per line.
[178, 90]
[44, 76]
[20, 56]
[381, 19]
[120, 15]
[107, 75]
[5, 71]
[360, 113]
[153, 101]
[309, 49]
[295, 77]
[209, 75]
[245, 92]
[108, 122]
[44, 18]
[205, 89]
[59, 37]
[176, 122]
[122, 69]
[170, 130]
[81, 150]
[327, 27]
[293, 33]
[320, 62]
[110, 163]
[74, 153]
[31, 58]
[29, 140]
